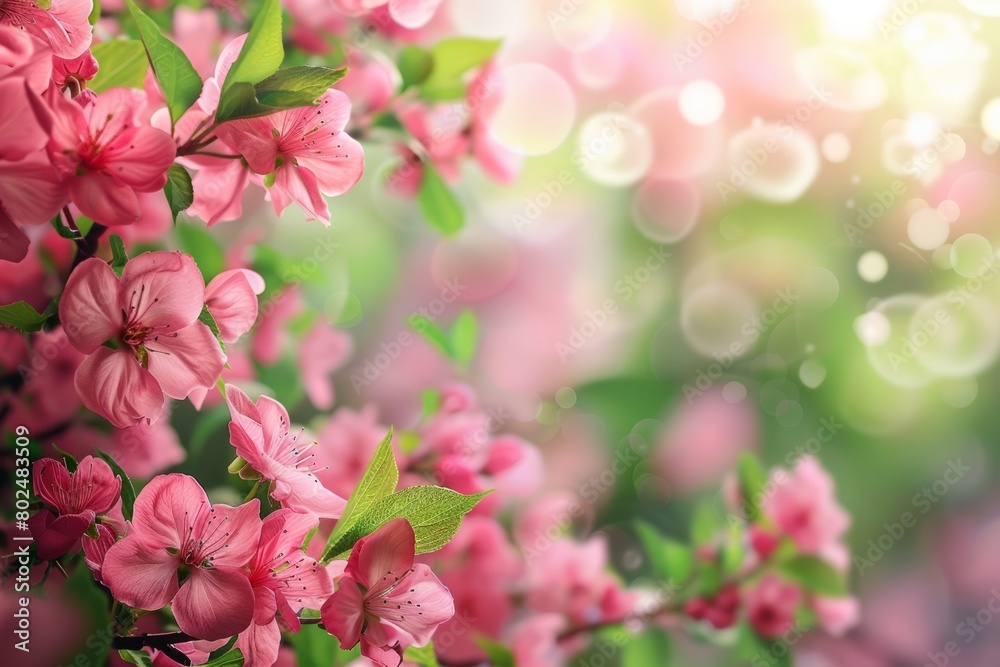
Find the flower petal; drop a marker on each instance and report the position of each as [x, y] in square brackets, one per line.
[185, 360]
[259, 644]
[381, 559]
[114, 385]
[140, 574]
[231, 297]
[343, 613]
[166, 509]
[162, 290]
[214, 603]
[88, 308]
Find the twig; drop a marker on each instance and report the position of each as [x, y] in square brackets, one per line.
[87, 246]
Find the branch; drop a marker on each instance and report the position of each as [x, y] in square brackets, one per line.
[158, 641]
[87, 246]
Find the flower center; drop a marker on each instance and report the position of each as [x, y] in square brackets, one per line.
[135, 334]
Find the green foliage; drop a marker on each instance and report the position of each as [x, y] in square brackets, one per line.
[458, 344]
[452, 58]
[194, 239]
[22, 316]
[119, 257]
[814, 574]
[122, 63]
[438, 204]
[435, 513]
[179, 190]
[379, 480]
[232, 658]
[293, 87]
[415, 65]
[652, 647]
[499, 655]
[671, 560]
[208, 320]
[259, 58]
[315, 647]
[180, 82]
[752, 479]
[140, 658]
[423, 655]
[128, 490]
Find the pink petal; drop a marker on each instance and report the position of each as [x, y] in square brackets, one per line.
[264, 605]
[139, 574]
[214, 603]
[343, 613]
[340, 166]
[104, 199]
[412, 14]
[231, 297]
[382, 656]
[259, 644]
[166, 508]
[254, 139]
[140, 157]
[19, 135]
[64, 26]
[417, 606]
[114, 385]
[54, 536]
[30, 191]
[185, 360]
[274, 422]
[162, 290]
[13, 242]
[299, 185]
[51, 479]
[95, 550]
[242, 532]
[88, 307]
[218, 191]
[382, 558]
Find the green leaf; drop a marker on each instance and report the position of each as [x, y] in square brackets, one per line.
[379, 481]
[179, 190]
[140, 658]
[233, 658]
[671, 560]
[208, 320]
[434, 334]
[438, 203]
[68, 458]
[122, 63]
[464, 333]
[64, 231]
[21, 316]
[431, 402]
[814, 574]
[414, 64]
[499, 655]
[704, 525]
[118, 255]
[180, 82]
[292, 87]
[435, 513]
[452, 58]
[95, 14]
[652, 647]
[315, 647]
[423, 655]
[128, 491]
[752, 480]
[262, 51]
[195, 240]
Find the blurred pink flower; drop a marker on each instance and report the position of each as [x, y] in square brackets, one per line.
[837, 615]
[324, 350]
[346, 444]
[771, 606]
[535, 641]
[175, 525]
[384, 600]
[231, 298]
[804, 507]
[65, 24]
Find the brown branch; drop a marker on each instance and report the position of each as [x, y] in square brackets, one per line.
[87, 246]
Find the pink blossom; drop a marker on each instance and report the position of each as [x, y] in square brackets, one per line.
[284, 581]
[304, 153]
[150, 316]
[260, 433]
[346, 444]
[483, 100]
[805, 508]
[270, 334]
[231, 298]
[175, 526]
[771, 606]
[96, 548]
[74, 71]
[384, 600]
[837, 615]
[106, 155]
[23, 56]
[324, 350]
[410, 14]
[76, 498]
[535, 641]
[65, 25]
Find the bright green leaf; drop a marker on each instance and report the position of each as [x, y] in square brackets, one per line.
[423, 655]
[379, 481]
[814, 574]
[454, 57]
[752, 479]
[122, 63]
[292, 87]
[195, 240]
[140, 658]
[22, 317]
[208, 320]
[438, 203]
[464, 334]
[118, 255]
[435, 513]
[180, 82]
[705, 525]
[499, 655]
[128, 491]
[652, 647]
[233, 658]
[414, 66]
[434, 334]
[262, 51]
[179, 190]
[671, 560]
[62, 230]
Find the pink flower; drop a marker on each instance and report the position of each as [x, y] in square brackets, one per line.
[174, 526]
[805, 508]
[483, 100]
[771, 606]
[384, 600]
[535, 641]
[346, 444]
[304, 153]
[260, 434]
[106, 156]
[324, 350]
[837, 615]
[65, 25]
[410, 14]
[231, 298]
[96, 548]
[77, 499]
[150, 317]
[284, 581]
[74, 71]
